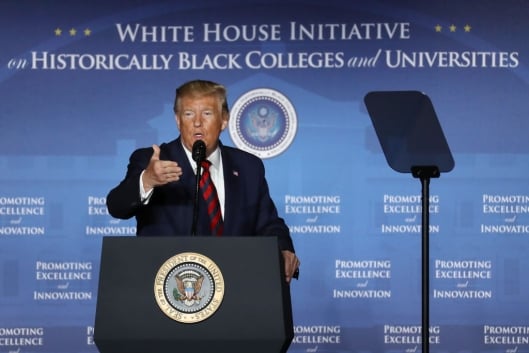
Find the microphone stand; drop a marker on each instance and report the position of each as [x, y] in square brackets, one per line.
[195, 204]
[198, 154]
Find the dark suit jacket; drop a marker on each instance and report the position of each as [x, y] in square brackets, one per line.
[249, 210]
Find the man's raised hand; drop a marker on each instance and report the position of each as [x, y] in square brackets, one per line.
[160, 172]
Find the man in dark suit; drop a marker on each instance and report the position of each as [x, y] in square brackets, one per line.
[159, 187]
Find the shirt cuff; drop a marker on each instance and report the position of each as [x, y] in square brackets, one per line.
[144, 196]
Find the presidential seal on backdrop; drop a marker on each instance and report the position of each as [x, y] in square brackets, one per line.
[263, 122]
[189, 287]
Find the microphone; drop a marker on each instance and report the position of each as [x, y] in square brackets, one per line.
[199, 151]
[199, 154]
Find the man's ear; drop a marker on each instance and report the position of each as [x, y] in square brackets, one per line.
[225, 119]
[177, 121]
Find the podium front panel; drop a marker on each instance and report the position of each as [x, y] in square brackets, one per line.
[255, 314]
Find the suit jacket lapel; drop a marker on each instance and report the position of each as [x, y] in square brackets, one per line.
[232, 195]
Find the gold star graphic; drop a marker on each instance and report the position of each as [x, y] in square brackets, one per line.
[87, 32]
[453, 28]
[58, 32]
[467, 28]
[73, 32]
[438, 28]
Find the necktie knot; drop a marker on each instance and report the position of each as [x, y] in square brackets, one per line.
[205, 164]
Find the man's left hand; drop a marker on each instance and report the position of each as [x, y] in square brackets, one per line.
[291, 265]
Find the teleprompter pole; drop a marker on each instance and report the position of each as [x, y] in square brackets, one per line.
[425, 173]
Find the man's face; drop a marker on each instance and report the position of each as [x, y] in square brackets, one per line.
[200, 119]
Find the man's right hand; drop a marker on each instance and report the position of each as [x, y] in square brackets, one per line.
[160, 172]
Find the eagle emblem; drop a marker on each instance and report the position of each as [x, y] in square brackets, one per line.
[188, 286]
[263, 124]
[185, 289]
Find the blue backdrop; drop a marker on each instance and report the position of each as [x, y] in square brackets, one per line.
[83, 83]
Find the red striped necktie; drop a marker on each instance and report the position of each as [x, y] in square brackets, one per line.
[209, 192]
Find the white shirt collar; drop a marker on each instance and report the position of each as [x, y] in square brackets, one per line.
[214, 158]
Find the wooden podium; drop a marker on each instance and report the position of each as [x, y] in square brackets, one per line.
[253, 315]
